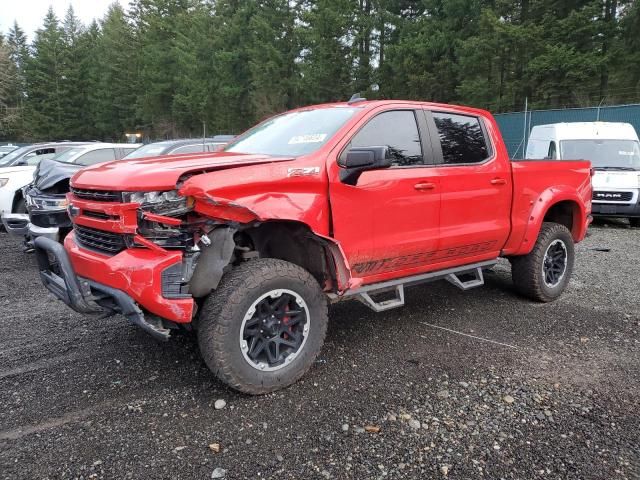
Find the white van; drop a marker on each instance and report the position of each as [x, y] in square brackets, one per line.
[614, 151]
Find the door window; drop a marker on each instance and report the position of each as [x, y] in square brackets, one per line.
[198, 147]
[396, 130]
[461, 138]
[551, 154]
[97, 156]
[33, 158]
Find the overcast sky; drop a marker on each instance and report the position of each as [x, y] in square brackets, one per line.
[30, 13]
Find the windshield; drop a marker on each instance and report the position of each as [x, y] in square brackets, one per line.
[13, 155]
[623, 154]
[68, 155]
[292, 134]
[149, 150]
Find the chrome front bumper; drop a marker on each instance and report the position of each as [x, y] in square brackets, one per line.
[16, 223]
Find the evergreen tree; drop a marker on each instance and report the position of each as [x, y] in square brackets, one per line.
[19, 54]
[171, 66]
[192, 50]
[230, 65]
[73, 79]
[327, 56]
[155, 30]
[9, 85]
[44, 71]
[113, 75]
[272, 53]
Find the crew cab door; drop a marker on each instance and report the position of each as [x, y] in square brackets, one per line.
[388, 221]
[476, 187]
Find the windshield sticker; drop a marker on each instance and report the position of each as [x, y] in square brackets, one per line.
[308, 138]
[622, 152]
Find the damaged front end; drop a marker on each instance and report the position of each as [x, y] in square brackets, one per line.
[46, 201]
[167, 221]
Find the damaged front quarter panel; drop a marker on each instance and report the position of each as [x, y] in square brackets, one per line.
[261, 193]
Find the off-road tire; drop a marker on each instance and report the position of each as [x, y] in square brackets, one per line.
[634, 222]
[223, 312]
[526, 270]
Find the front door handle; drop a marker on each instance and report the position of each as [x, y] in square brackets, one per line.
[498, 181]
[424, 186]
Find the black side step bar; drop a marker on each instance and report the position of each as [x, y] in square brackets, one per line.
[451, 275]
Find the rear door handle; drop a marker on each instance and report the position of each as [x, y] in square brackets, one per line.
[498, 181]
[424, 186]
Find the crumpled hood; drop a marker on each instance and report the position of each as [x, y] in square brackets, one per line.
[49, 172]
[161, 173]
[18, 169]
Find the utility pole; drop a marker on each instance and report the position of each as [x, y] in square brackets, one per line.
[598, 111]
[524, 132]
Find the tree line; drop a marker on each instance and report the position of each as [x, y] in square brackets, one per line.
[170, 68]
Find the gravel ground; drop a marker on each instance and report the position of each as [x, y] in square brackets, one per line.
[391, 396]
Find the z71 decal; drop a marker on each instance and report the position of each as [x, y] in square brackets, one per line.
[421, 258]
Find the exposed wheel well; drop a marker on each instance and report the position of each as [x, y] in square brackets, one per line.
[295, 243]
[565, 213]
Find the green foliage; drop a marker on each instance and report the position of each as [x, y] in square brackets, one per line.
[44, 71]
[171, 68]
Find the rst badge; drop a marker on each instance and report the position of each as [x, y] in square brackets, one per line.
[303, 171]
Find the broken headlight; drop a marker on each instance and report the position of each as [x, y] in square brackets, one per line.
[162, 203]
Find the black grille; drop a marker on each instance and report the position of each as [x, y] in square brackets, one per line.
[104, 242]
[97, 195]
[100, 215]
[613, 196]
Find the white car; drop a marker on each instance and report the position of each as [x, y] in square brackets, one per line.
[16, 171]
[6, 149]
[77, 156]
[614, 151]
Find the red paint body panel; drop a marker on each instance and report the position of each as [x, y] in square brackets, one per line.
[535, 193]
[159, 173]
[385, 227]
[137, 272]
[263, 192]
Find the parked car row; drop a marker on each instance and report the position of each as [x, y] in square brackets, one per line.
[34, 180]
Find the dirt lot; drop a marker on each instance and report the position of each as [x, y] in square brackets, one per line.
[557, 397]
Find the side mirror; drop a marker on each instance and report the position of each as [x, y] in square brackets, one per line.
[359, 159]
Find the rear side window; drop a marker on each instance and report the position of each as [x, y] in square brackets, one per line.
[126, 150]
[461, 138]
[33, 158]
[198, 147]
[397, 130]
[97, 156]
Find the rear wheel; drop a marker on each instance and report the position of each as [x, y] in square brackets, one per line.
[634, 222]
[264, 325]
[544, 273]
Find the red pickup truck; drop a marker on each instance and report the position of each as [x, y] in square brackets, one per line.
[348, 200]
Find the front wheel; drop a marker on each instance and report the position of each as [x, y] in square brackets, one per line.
[264, 325]
[544, 273]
